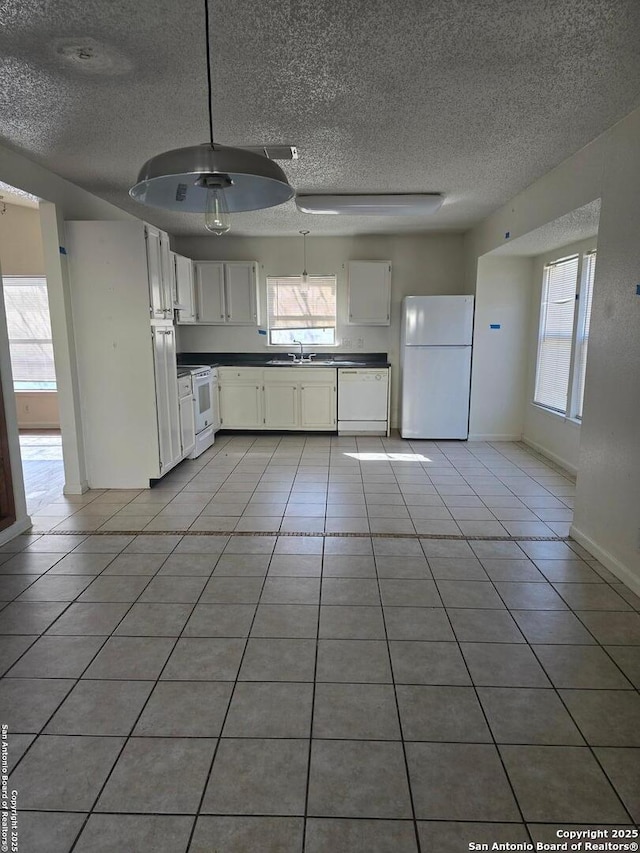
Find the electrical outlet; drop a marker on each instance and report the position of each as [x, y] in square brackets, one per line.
[346, 342]
[360, 343]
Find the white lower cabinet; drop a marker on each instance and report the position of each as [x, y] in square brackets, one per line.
[281, 409]
[278, 398]
[318, 405]
[241, 398]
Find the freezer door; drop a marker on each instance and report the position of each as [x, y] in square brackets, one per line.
[437, 320]
[435, 392]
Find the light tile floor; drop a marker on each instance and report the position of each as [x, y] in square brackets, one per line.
[299, 483]
[326, 693]
[42, 467]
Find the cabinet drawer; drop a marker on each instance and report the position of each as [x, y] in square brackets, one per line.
[318, 374]
[240, 374]
[184, 386]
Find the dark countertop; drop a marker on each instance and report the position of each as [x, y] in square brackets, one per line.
[257, 359]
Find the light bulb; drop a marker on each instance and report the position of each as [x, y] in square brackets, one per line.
[216, 213]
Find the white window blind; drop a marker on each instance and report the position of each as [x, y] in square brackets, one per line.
[556, 334]
[586, 298]
[29, 328]
[303, 311]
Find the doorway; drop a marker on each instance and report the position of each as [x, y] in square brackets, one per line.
[30, 341]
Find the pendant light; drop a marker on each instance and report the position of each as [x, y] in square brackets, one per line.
[212, 179]
[305, 275]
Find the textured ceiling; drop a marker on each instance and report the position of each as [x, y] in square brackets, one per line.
[472, 98]
[579, 224]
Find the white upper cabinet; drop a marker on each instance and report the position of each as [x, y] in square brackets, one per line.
[210, 292]
[241, 293]
[185, 296]
[161, 274]
[369, 293]
[226, 293]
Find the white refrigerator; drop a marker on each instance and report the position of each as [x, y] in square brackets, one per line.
[435, 360]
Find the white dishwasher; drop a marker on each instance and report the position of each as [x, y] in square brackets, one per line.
[363, 401]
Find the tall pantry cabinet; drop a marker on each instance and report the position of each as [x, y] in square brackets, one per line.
[122, 302]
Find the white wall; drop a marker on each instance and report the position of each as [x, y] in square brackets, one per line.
[606, 517]
[62, 201]
[425, 264]
[21, 241]
[499, 369]
[555, 435]
[37, 409]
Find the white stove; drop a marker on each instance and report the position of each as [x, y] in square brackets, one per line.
[204, 386]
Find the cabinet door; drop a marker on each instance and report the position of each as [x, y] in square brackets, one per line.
[211, 306]
[164, 359]
[185, 297]
[154, 268]
[281, 405]
[187, 425]
[318, 405]
[369, 293]
[241, 293]
[241, 406]
[168, 269]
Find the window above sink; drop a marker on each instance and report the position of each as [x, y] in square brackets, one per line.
[303, 311]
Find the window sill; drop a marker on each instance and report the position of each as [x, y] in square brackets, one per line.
[558, 415]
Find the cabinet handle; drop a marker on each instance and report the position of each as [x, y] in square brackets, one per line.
[222, 316]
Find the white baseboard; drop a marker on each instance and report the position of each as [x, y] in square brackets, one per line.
[610, 562]
[18, 527]
[39, 425]
[75, 488]
[552, 456]
[493, 437]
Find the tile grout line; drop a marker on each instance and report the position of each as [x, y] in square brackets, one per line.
[486, 719]
[226, 714]
[155, 682]
[313, 706]
[556, 690]
[397, 706]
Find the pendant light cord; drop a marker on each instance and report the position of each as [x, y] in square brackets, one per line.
[206, 26]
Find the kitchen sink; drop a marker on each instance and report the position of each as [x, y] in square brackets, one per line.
[279, 362]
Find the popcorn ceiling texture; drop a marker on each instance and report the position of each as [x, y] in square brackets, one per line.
[472, 99]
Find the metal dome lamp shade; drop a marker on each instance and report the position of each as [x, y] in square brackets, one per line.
[212, 179]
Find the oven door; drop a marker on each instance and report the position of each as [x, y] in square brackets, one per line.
[203, 394]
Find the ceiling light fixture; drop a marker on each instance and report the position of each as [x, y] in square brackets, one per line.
[212, 179]
[398, 204]
[305, 275]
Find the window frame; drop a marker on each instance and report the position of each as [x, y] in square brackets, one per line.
[573, 411]
[310, 280]
[9, 281]
[582, 333]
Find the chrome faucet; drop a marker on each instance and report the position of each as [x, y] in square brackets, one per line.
[301, 349]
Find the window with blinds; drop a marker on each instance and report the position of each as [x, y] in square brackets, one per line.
[555, 338]
[29, 328]
[584, 322]
[300, 310]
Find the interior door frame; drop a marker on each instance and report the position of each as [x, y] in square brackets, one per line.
[7, 499]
